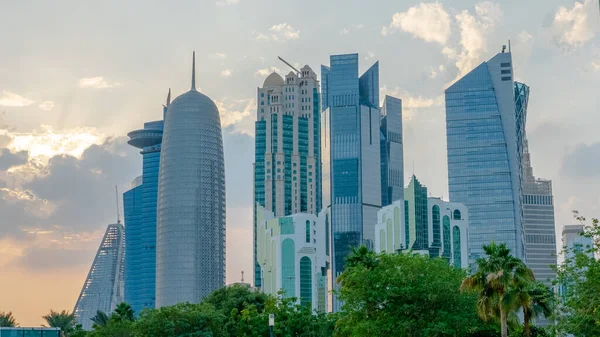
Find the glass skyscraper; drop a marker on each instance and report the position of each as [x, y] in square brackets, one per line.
[139, 205]
[485, 138]
[353, 131]
[287, 167]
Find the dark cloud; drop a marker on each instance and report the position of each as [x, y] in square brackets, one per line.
[83, 189]
[9, 159]
[583, 162]
[42, 259]
[15, 215]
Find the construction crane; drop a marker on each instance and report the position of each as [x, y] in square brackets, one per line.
[289, 65]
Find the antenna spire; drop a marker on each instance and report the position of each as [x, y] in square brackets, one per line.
[194, 70]
[169, 98]
[118, 212]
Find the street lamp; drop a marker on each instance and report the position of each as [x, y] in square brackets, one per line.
[271, 323]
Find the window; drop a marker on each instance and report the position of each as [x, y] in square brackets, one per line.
[305, 281]
[506, 78]
[262, 94]
[435, 216]
[505, 64]
[456, 215]
[262, 102]
[446, 231]
[307, 231]
[456, 246]
[288, 268]
[505, 71]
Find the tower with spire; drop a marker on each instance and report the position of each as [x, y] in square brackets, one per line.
[139, 205]
[190, 236]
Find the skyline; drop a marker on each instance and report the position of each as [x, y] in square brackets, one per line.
[116, 93]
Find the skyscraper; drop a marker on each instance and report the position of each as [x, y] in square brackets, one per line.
[287, 167]
[484, 140]
[103, 286]
[352, 153]
[538, 208]
[190, 236]
[139, 205]
[392, 151]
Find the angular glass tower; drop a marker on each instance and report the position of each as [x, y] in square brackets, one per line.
[351, 154]
[287, 167]
[392, 151]
[139, 204]
[415, 210]
[190, 236]
[103, 286]
[485, 134]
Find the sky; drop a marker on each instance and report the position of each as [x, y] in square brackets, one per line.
[77, 76]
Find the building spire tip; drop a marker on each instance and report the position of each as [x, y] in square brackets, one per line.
[194, 70]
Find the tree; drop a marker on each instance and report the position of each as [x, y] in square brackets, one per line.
[123, 312]
[578, 310]
[7, 319]
[100, 320]
[63, 320]
[496, 274]
[183, 319]
[535, 299]
[403, 295]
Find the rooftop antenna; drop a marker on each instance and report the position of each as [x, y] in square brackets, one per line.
[242, 276]
[118, 212]
[289, 65]
[194, 70]
[509, 46]
[168, 99]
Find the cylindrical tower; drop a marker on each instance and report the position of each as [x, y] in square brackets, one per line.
[190, 242]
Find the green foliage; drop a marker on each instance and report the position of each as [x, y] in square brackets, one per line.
[403, 295]
[123, 312]
[578, 277]
[101, 319]
[7, 320]
[63, 320]
[498, 276]
[184, 319]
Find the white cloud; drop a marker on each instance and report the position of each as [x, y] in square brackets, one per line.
[350, 29]
[237, 113]
[97, 83]
[218, 56]
[524, 37]
[410, 102]
[264, 72]
[370, 56]
[427, 21]
[574, 26]
[8, 98]
[46, 105]
[226, 72]
[227, 2]
[279, 32]
[473, 33]
[434, 72]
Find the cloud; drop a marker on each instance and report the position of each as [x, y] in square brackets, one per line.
[8, 98]
[434, 72]
[9, 159]
[410, 102]
[264, 72]
[473, 32]
[370, 55]
[43, 259]
[280, 32]
[427, 21]
[582, 162]
[237, 115]
[97, 83]
[46, 105]
[524, 37]
[574, 26]
[227, 2]
[226, 72]
[596, 65]
[350, 29]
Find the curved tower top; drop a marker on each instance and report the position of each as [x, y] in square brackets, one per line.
[190, 242]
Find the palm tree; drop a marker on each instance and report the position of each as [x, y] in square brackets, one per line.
[535, 299]
[496, 274]
[63, 320]
[7, 320]
[101, 318]
[123, 312]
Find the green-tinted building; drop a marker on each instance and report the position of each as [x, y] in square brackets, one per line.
[29, 332]
[415, 206]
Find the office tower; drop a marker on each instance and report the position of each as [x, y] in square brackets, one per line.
[447, 225]
[287, 167]
[484, 140]
[392, 151]
[574, 241]
[415, 210]
[139, 205]
[295, 252]
[103, 286]
[190, 235]
[351, 149]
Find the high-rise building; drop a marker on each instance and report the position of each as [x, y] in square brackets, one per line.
[294, 255]
[103, 286]
[190, 235]
[574, 241]
[139, 205]
[287, 167]
[354, 134]
[444, 228]
[485, 135]
[392, 151]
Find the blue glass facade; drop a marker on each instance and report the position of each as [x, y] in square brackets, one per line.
[139, 205]
[484, 139]
[353, 137]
